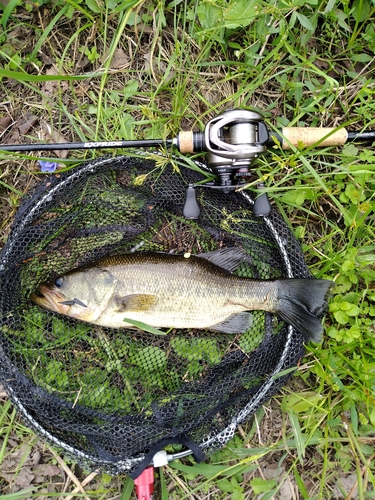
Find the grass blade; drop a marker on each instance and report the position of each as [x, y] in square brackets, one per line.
[144, 326]
[26, 77]
[47, 31]
[12, 4]
[19, 495]
[163, 485]
[297, 432]
[128, 489]
[300, 484]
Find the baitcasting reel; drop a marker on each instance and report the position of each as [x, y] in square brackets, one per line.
[232, 141]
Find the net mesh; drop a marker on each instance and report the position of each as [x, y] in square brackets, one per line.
[107, 396]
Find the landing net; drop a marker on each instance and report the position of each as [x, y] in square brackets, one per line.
[110, 398]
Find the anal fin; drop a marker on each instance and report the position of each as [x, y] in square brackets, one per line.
[237, 323]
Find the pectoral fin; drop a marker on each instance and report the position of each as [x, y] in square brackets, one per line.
[237, 323]
[135, 302]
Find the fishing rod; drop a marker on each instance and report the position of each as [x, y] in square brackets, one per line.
[231, 140]
[232, 121]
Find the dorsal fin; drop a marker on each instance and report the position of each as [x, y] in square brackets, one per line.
[226, 258]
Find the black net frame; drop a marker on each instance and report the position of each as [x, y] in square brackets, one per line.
[144, 393]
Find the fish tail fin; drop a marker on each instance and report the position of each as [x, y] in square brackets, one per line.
[301, 301]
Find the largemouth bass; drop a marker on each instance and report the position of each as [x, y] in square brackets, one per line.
[164, 290]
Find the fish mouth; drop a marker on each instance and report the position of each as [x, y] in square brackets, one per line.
[49, 298]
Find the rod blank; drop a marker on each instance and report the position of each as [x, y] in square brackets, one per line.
[152, 143]
[368, 136]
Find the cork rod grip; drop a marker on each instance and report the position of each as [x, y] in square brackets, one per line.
[308, 136]
[185, 142]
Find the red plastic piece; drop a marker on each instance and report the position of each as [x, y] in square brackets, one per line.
[144, 484]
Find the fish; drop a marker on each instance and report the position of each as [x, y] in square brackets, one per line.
[183, 292]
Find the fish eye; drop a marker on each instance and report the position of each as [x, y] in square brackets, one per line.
[59, 282]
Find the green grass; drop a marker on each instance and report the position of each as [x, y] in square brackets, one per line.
[131, 69]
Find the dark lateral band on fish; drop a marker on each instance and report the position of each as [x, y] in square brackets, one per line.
[164, 291]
